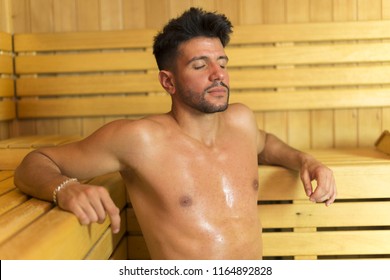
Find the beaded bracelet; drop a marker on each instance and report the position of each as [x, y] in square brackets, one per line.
[60, 186]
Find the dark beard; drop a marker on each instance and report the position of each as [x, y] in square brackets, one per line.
[199, 102]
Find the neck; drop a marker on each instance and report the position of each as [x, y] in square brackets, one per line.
[203, 127]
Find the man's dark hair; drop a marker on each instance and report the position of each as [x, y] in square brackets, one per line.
[193, 23]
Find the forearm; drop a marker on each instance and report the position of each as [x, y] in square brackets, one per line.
[38, 176]
[277, 152]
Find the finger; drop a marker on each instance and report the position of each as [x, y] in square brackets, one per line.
[113, 212]
[81, 215]
[334, 195]
[307, 183]
[331, 200]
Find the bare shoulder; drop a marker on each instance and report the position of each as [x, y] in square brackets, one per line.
[241, 114]
[127, 131]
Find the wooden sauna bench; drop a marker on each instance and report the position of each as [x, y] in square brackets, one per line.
[273, 68]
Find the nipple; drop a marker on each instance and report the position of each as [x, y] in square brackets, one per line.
[185, 201]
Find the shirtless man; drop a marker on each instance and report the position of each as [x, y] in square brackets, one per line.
[192, 173]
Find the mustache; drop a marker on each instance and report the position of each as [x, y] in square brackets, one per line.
[218, 84]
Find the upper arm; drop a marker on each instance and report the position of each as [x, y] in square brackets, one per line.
[95, 155]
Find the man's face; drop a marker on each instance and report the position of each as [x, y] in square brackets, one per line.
[201, 78]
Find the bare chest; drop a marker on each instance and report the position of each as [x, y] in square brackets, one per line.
[191, 176]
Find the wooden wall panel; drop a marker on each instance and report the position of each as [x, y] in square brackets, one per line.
[5, 26]
[303, 129]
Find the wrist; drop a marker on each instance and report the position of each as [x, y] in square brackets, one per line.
[60, 187]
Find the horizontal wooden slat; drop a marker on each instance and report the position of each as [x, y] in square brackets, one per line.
[255, 56]
[6, 64]
[134, 38]
[313, 99]
[5, 174]
[105, 246]
[11, 199]
[13, 150]
[7, 110]
[269, 33]
[262, 101]
[94, 106]
[277, 183]
[245, 79]
[349, 214]
[308, 54]
[350, 156]
[85, 62]
[35, 243]
[21, 216]
[242, 34]
[309, 77]
[6, 87]
[326, 243]
[36, 141]
[303, 244]
[5, 42]
[88, 84]
[6, 185]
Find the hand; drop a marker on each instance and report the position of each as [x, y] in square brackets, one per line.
[90, 204]
[326, 186]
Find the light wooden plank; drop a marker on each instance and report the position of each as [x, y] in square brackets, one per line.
[85, 62]
[10, 159]
[5, 174]
[350, 214]
[11, 199]
[308, 54]
[35, 243]
[6, 186]
[249, 80]
[108, 106]
[326, 243]
[7, 110]
[117, 39]
[88, 84]
[6, 87]
[277, 183]
[249, 57]
[6, 64]
[21, 216]
[5, 41]
[298, 32]
[106, 245]
[309, 77]
[320, 99]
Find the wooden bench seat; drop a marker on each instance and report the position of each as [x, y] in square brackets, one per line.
[35, 229]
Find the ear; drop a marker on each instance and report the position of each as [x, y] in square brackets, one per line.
[167, 81]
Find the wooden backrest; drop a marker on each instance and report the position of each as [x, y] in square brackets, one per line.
[272, 67]
[7, 105]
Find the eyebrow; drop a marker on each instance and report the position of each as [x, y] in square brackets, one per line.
[203, 57]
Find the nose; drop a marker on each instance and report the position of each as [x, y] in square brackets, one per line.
[217, 73]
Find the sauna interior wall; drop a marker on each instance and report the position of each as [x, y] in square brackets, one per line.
[316, 128]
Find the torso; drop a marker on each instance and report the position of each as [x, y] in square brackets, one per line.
[193, 201]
